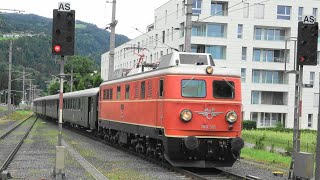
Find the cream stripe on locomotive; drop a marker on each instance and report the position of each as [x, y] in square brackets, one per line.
[159, 127]
[171, 100]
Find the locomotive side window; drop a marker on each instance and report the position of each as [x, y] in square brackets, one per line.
[127, 91]
[161, 88]
[118, 92]
[105, 94]
[223, 89]
[193, 88]
[143, 89]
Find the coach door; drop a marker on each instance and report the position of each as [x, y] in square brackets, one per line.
[91, 113]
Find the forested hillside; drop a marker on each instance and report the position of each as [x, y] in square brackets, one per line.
[32, 46]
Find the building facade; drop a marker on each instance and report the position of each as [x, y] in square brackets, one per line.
[245, 35]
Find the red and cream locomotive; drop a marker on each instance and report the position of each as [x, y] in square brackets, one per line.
[187, 111]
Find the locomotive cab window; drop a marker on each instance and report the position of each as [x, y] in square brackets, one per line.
[223, 89]
[118, 92]
[193, 88]
[127, 91]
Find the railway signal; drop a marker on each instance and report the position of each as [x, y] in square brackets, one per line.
[307, 44]
[63, 32]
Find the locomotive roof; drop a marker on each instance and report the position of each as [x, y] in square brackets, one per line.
[82, 93]
[181, 69]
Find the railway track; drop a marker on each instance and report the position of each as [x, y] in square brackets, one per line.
[193, 173]
[11, 141]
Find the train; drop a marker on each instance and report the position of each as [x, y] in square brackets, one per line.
[185, 111]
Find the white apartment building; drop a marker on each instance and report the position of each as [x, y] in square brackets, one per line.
[247, 35]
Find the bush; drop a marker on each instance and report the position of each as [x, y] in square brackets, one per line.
[259, 142]
[249, 125]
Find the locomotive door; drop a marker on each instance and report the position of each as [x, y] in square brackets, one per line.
[159, 120]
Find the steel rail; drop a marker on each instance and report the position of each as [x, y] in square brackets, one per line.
[15, 150]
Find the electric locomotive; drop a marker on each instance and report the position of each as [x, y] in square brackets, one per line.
[187, 111]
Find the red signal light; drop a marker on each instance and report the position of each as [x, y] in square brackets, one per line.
[302, 59]
[57, 48]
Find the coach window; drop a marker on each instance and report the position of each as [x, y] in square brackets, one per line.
[118, 92]
[143, 89]
[127, 91]
[193, 88]
[161, 88]
[223, 89]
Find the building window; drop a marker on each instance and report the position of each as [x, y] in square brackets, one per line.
[198, 48]
[181, 48]
[177, 11]
[165, 17]
[217, 52]
[269, 55]
[269, 34]
[310, 118]
[315, 99]
[209, 30]
[315, 12]
[181, 29]
[267, 77]
[246, 10]
[318, 56]
[243, 74]
[156, 41]
[259, 11]
[196, 7]
[198, 30]
[266, 97]
[283, 12]
[244, 53]
[300, 13]
[163, 36]
[240, 31]
[219, 8]
[215, 30]
[312, 74]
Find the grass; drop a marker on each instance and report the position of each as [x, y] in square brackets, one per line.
[20, 115]
[267, 158]
[2, 108]
[281, 139]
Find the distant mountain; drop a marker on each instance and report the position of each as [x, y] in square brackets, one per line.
[32, 45]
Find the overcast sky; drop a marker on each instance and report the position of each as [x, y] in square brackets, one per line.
[129, 13]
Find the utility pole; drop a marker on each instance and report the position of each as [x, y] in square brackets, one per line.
[9, 81]
[71, 78]
[317, 176]
[23, 79]
[112, 40]
[30, 86]
[187, 36]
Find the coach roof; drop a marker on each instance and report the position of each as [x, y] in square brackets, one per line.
[75, 94]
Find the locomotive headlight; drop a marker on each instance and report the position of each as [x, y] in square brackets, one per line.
[209, 70]
[186, 115]
[231, 117]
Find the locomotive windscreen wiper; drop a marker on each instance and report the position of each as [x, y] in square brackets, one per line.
[188, 82]
[228, 83]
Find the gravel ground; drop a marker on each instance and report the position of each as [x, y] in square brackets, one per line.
[250, 168]
[6, 125]
[36, 158]
[114, 163]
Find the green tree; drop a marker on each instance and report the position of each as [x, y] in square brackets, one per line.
[84, 72]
